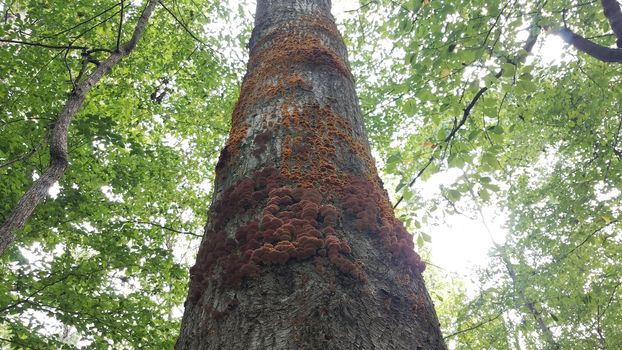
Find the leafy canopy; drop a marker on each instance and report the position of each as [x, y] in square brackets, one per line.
[445, 86]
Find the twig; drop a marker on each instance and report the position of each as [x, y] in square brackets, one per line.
[23, 156]
[362, 6]
[20, 344]
[587, 238]
[35, 292]
[186, 29]
[73, 82]
[162, 227]
[48, 46]
[81, 23]
[417, 176]
[468, 329]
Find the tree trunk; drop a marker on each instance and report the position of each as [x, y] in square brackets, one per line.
[302, 249]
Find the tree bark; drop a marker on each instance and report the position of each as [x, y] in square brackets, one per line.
[602, 53]
[302, 249]
[612, 11]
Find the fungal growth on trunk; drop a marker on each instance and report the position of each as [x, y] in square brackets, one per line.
[302, 249]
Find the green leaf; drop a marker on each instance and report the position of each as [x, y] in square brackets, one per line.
[456, 162]
[484, 195]
[410, 107]
[453, 195]
[508, 69]
[491, 160]
[407, 194]
[426, 237]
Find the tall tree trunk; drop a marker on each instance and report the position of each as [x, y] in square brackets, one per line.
[302, 249]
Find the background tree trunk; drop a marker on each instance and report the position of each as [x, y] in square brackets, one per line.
[302, 249]
[59, 155]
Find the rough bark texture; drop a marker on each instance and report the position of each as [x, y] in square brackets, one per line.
[302, 249]
[603, 53]
[59, 157]
[612, 11]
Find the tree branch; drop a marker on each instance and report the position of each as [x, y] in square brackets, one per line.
[119, 32]
[59, 157]
[468, 329]
[600, 52]
[612, 11]
[417, 176]
[23, 156]
[81, 23]
[48, 46]
[587, 238]
[150, 223]
[20, 344]
[529, 44]
[35, 292]
[185, 27]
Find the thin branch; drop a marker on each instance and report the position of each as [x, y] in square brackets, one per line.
[81, 34]
[81, 23]
[73, 82]
[587, 238]
[20, 344]
[186, 29]
[162, 227]
[362, 6]
[35, 292]
[617, 152]
[611, 298]
[59, 157]
[120, 25]
[468, 329]
[20, 120]
[7, 10]
[529, 44]
[22, 157]
[600, 314]
[47, 46]
[412, 182]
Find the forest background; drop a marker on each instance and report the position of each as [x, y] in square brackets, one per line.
[495, 124]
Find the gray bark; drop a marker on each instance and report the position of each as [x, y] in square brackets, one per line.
[600, 52]
[531, 306]
[612, 11]
[298, 121]
[59, 157]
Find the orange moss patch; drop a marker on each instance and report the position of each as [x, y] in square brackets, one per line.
[314, 157]
[307, 230]
[274, 54]
[292, 213]
[294, 225]
[298, 42]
